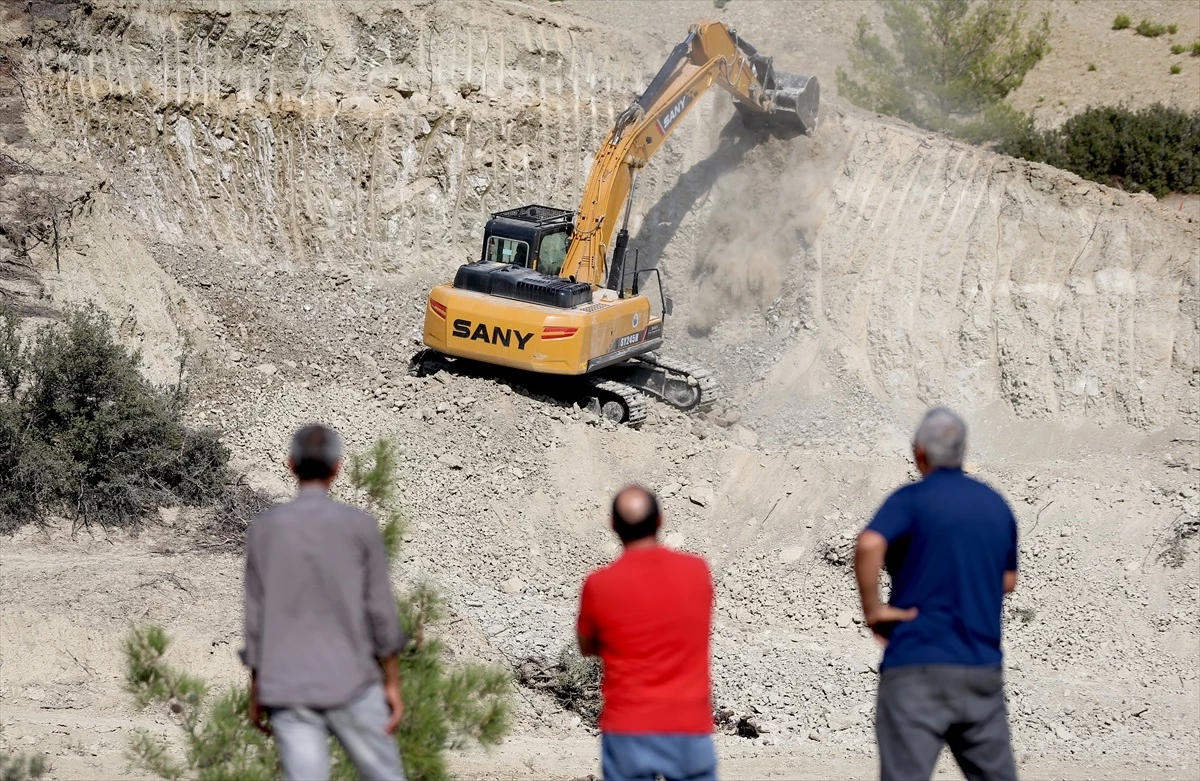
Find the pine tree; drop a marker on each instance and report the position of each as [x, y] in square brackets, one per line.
[949, 66]
[444, 707]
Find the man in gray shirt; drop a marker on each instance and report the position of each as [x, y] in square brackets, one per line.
[322, 636]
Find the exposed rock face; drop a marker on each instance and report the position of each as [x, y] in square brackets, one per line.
[282, 181]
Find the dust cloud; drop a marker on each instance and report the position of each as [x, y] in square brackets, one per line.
[765, 214]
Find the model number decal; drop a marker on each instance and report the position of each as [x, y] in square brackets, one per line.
[625, 341]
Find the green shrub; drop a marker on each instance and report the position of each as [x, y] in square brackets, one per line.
[1178, 48]
[1122, 22]
[85, 436]
[1149, 29]
[1172, 28]
[1155, 149]
[444, 707]
[1091, 67]
[21, 768]
[1176, 69]
[945, 66]
[1196, 49]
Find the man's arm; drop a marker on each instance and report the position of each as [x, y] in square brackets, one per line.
[869, 553]
[588, 645]
[253, 604]
[1010, 561]
[391, 690]
[252, 631]
[386, 635]
[585, 627]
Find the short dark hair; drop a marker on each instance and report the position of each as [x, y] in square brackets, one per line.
[316, 452]
[632, 529]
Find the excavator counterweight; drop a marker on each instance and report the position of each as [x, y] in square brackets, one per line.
[552, 293]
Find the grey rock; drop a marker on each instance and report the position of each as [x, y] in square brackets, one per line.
[450, 460]
[791, 555]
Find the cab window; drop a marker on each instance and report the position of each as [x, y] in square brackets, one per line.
[502, 250]
[553, 253]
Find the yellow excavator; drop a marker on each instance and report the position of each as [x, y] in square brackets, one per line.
[552, 293]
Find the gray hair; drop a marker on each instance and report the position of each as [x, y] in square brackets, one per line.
[943, 436]
[315, 452]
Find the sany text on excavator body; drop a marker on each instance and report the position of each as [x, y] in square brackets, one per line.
[560, 293]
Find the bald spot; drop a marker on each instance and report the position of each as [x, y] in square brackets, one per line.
[633, 505]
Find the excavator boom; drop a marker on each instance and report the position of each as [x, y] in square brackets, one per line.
[710, 54]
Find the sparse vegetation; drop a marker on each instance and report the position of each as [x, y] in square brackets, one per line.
[1196, 49]
[1154, 149]
[1176, 69]
[443, 707]
[1172, 28]
[21, 768]
[1178, 48]
[1091, 67]
[1122, 22]
[1149, 29]
[951, 65]
[572, 680]
[1183, 529]
[83, 435]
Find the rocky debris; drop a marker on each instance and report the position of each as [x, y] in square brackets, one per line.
[507, 492]
[701, 495]
[791, 554]
[450, 460]
[513, 585]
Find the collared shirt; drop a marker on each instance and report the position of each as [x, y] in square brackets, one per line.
[651, 612]
[319, 606]
[950, 539]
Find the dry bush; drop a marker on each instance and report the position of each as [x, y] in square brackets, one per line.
[572, 680]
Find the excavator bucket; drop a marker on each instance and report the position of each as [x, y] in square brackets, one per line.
[796, 100]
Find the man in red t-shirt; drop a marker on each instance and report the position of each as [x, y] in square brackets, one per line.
[647, 616]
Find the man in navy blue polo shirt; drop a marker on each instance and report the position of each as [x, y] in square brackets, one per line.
[949, 543]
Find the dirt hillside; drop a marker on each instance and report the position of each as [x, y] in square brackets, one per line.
[280, 183]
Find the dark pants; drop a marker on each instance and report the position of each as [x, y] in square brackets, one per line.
[921, 708]
[646, 757]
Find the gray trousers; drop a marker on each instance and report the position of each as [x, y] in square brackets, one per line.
[921, 708]
[302, 738]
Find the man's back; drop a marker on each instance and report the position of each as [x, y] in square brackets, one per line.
[950, 540]
[317, 574]
[651, 612]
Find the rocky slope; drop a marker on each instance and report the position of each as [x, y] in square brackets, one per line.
[281, 183]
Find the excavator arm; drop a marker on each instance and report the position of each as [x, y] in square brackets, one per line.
[710, 54]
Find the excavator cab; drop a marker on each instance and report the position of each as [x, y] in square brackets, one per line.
[534, 237]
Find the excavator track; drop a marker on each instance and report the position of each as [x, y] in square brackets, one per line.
[618, 402]
[607, 398]
[617, 393]
[705, 383]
